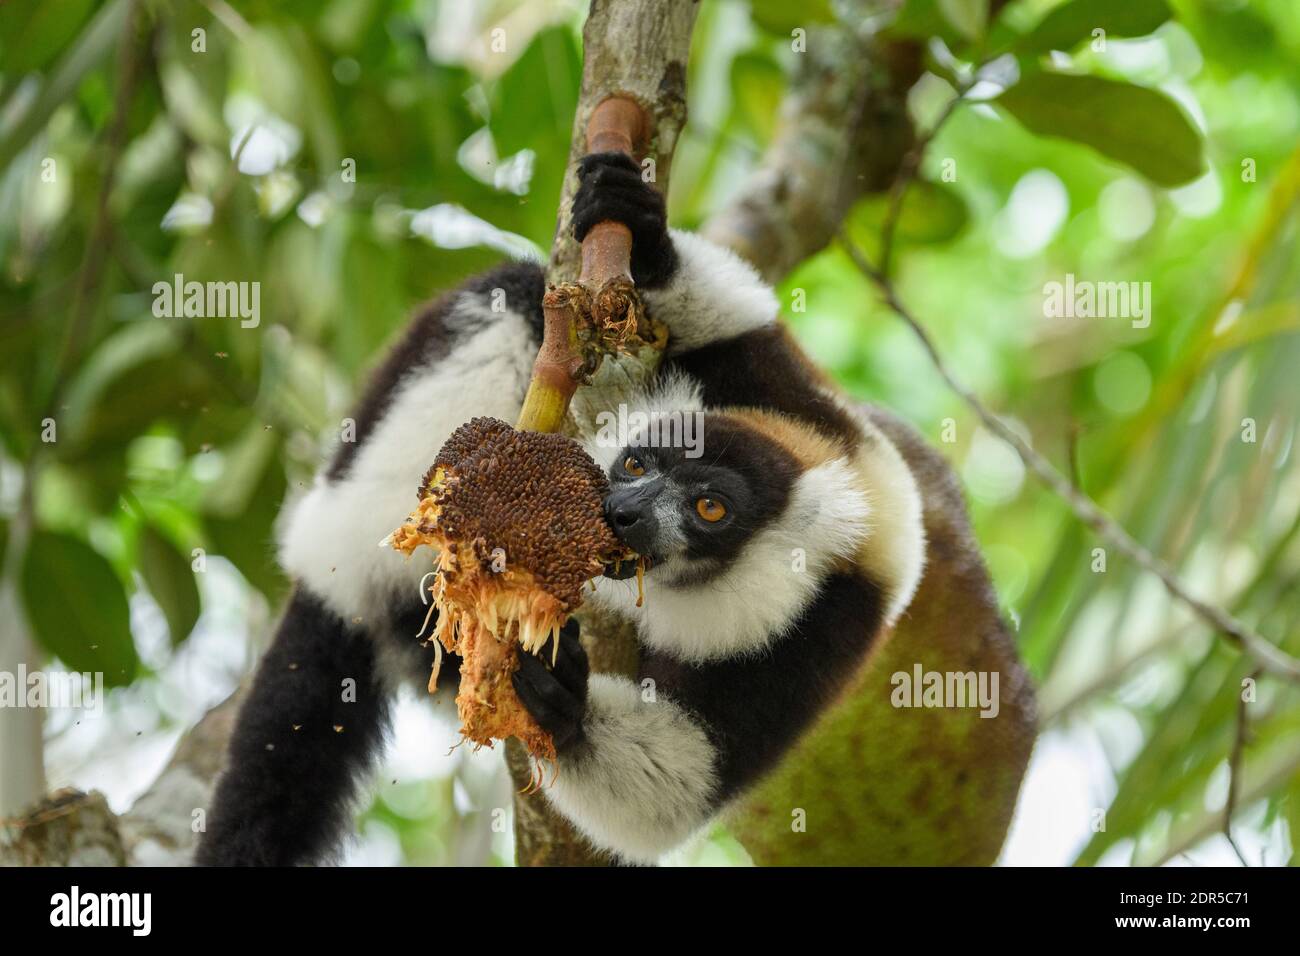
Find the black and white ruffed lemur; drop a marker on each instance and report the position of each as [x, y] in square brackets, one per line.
[779, 554]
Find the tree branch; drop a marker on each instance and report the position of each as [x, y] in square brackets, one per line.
[71, 828]
[843, 132]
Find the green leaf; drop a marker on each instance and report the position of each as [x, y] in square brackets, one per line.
[757, 84]
[157, 389]
[32, 34]
[1291, 810]
[782, 17]
[246, 462]
[1134, 125]
[920, 20]
[969, 17]
[1237, 38]
[77, 607]
[1068, 25]
[536, 98]
[192, 107]
[91, 47]
[245, 537]
[108, 399]
[170, 580]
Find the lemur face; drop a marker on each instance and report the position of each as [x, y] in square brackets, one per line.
[692, 516]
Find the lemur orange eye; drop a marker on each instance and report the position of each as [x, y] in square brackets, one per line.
[632, 465]
[710, 509]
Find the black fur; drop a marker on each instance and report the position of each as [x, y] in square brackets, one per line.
[765, 369]
[556, 695]
[298, 747]
[754, 709]
[611, 190]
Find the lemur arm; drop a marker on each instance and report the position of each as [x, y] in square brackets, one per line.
[722, 317]
[703, 292]
[643, 766]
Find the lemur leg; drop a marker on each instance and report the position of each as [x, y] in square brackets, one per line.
[313, 722]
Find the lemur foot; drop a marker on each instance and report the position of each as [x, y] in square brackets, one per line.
[612, 190]
[556, 696]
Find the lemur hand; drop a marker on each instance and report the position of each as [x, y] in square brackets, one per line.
[556, 696]
[612, 190]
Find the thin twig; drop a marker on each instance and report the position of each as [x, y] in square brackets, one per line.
[1234, 770]
[1264, 573]
[906, 174]
[1072, 454]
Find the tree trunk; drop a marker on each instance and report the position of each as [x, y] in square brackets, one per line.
[70, 828]
[22, 747]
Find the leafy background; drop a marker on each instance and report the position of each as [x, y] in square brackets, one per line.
[177, 439]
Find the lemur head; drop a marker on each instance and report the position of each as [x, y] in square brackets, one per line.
[744, 526]
[692, 510]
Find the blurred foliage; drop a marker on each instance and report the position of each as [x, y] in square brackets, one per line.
[355, 156]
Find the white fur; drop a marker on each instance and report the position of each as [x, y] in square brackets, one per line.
[760, 596]
[895, 555]
[641, 783]
[713, 296]
[329, 538]
[663, 395]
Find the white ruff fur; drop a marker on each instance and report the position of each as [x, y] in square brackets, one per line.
[895, 552]
[329, 538]
[664, 395]
[713, 296]
[760, 596]
[642, 782]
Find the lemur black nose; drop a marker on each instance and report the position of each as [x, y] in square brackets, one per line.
[625, 516]
[630, 513]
